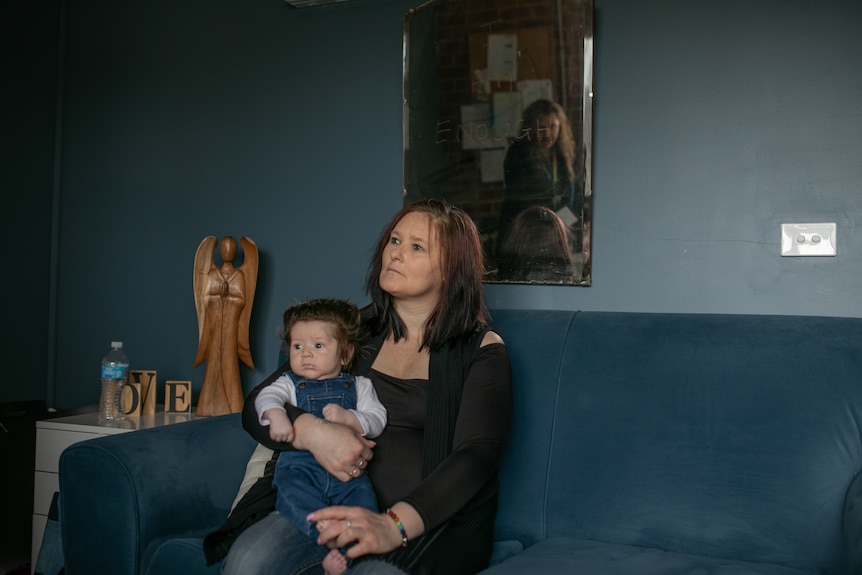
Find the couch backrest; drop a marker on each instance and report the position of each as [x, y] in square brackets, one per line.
[537, 342]
[722, 435]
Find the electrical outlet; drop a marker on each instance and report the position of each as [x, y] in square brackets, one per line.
[809, 240]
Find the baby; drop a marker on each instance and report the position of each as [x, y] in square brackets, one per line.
[323, 338]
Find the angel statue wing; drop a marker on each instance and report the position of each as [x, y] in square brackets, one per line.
[249, 272]
[204, 265]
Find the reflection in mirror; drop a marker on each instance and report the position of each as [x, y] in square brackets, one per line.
[498, 120]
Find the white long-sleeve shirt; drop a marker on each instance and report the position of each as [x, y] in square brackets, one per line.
[369, 410]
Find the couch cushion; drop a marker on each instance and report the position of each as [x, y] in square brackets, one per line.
[717, 435]
[565, 556]
[537, 342]
[254, 470]
[181, 556]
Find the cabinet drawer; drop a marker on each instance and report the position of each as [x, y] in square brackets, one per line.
[50, 443]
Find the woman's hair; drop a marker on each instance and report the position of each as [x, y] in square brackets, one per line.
[461, 308]
[342, 315]
[565, 143]
[537, 248]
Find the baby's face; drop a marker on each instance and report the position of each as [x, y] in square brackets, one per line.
[314, 350]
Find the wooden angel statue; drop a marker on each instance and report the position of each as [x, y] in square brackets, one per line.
[223, 299]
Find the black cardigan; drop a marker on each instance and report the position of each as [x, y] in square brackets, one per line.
[447, 371]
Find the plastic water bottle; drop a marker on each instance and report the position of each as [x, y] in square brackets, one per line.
[115, 367]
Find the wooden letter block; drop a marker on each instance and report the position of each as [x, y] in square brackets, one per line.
[131, 399]
[146, 378]
[178, 397]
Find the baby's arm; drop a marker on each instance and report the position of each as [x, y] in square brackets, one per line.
[269, 405]
[337, 414]
[280, 428]
[369, 417]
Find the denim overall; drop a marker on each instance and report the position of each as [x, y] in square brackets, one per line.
[303, 485]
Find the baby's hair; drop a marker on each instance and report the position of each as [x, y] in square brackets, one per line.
[341, 314]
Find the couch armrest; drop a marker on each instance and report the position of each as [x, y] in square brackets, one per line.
[122, 495]
[853, 526]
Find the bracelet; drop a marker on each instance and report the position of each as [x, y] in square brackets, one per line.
[397, 521]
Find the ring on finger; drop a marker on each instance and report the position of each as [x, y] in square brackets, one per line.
[349, 525]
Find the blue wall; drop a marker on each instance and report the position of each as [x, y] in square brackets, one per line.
[29, 42]
[715, 121]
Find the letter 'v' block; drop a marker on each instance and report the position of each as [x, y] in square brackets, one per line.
[139, 394]
[178, 397]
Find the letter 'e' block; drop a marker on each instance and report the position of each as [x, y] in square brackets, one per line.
[178, 397]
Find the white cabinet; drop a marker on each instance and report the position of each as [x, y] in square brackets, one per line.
[55, 435]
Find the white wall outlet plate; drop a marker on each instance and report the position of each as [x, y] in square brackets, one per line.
[809, 240]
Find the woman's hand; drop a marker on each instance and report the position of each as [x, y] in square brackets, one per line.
[374, 533]
[337, 448]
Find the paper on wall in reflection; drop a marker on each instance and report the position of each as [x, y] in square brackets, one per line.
[481, 85]
[474, 133]
[492, 165]
[567, 216]
[507, 112]
[486, 127]
[503, 57]
[532, 90]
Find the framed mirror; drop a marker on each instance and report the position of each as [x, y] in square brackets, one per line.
[498, 120]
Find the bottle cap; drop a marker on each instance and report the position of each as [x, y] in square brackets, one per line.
[116, 345]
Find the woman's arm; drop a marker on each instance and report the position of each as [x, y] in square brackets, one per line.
[337, 448]
[480, 433]
[372, 533]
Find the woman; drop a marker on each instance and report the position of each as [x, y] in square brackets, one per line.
[538, 249]
[539, 166]
[444, 379]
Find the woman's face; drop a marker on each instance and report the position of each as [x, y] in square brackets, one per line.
[412, 263]
[547, 131]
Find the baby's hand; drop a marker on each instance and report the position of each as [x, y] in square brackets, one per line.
[280, 428]
[282, 432]
[337, 414]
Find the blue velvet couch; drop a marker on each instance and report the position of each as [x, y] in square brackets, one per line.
[641, 444]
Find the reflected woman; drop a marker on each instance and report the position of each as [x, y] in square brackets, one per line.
[537, 249]
[539, 166]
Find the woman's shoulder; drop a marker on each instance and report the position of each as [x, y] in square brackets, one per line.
[491, 337]
[468, 345]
